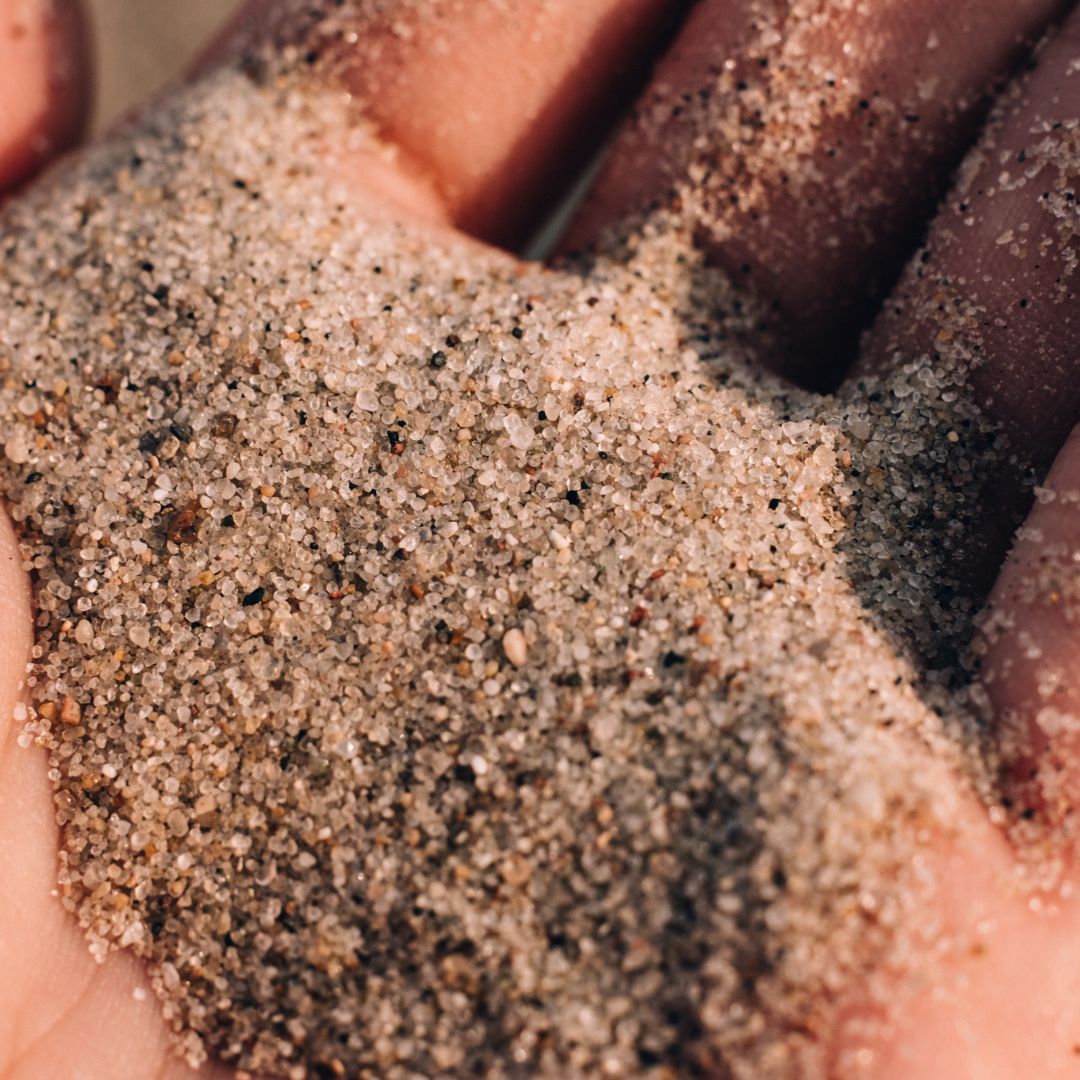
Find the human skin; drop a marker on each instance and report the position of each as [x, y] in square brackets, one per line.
[481, 143]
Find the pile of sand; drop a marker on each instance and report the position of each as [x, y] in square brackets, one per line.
[450, 667]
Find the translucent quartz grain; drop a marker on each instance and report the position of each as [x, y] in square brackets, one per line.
[515, 646]
[429, 698]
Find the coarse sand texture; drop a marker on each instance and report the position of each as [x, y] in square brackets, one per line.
[451, 666]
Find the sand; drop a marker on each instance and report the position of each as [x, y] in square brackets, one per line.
[455, 667]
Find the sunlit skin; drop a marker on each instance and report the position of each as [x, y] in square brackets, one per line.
[482, 143]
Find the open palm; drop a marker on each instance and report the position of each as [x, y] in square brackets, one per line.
[490, 115]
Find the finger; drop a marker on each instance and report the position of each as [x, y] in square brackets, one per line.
[43, 83]
[1031, 668]
[994, 292]
[489, 108]
[808, 139]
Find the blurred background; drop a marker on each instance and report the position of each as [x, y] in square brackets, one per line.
[142, 45]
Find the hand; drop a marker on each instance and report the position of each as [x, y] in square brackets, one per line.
[481, 142]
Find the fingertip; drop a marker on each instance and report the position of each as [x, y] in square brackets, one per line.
[1032, 648]
[44, 81]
